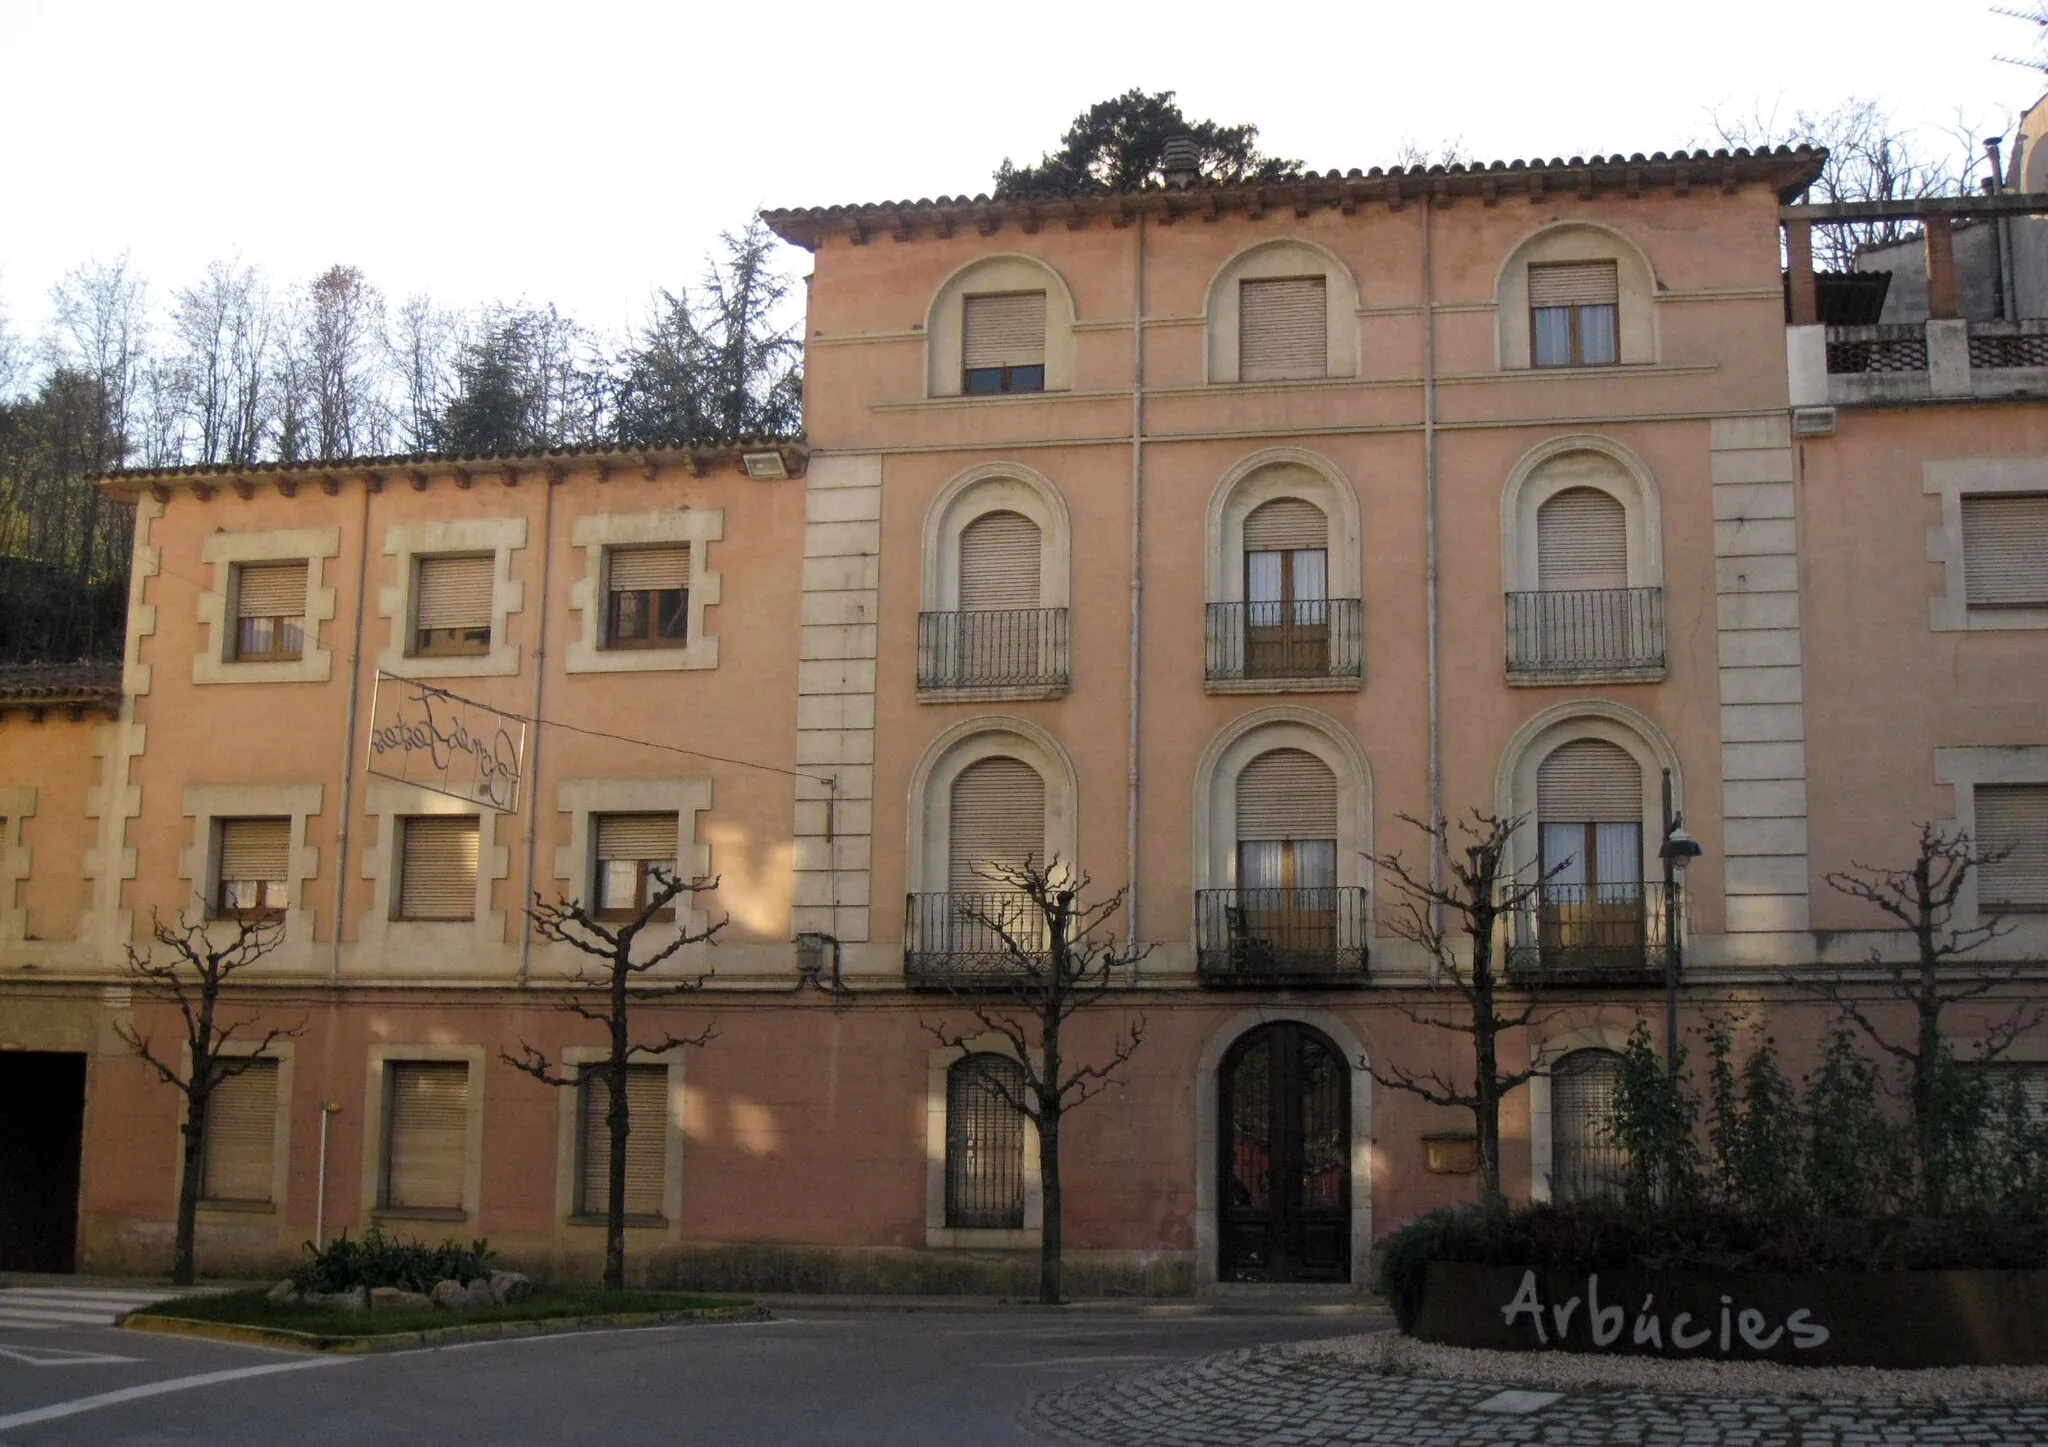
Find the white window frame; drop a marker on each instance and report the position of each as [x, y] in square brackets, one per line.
[407, 543]
[593, 534]
[227, 552]
[937, 1234]
[199, 861]
[1949, 610]
[376, 1140]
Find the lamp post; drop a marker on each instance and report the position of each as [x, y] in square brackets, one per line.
[1678, 850]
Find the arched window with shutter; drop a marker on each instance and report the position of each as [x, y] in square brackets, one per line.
[984, 1143]
[1586, 1158]
[1581, 541]
[1286, 909]
[1002, 342]
[999, 563]
[1589, 811]
[997, 817]
[1286, 590]
[1283, 329]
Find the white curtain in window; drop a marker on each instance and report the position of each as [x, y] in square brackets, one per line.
[1311, 585]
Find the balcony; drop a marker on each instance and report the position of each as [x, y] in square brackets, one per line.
[1012, 653]
[1308, 646]
[1589, 934]
[985, 940]
[1589, 635]
[1249, 939]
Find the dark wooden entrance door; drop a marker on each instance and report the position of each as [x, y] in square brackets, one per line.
[1284, 1137]
[42, 1115]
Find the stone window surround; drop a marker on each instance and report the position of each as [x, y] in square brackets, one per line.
[17, 860]
[1277, 472]
[1966, 769]
[569, 1130]
[987, 275]
[1282, 256]
[199, 861]
[375, 1128]
[1542, 1147]
[1514, 784]
[1636, 323]
[408, 543]
[996, 487]
[1208, 1167]
[937, 1233]
[1244, 739]
[1537, 477]
[594, 533]
[226, 552]
[1948, 611]
[969, 741]
[378, 932]
[281, 1140]
[685, 797]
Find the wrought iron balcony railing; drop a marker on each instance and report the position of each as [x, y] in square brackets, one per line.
[1581, 631]
[1304, 641]
[984, 940]
[1589, 934]
[1007, 648]
[1253, 938]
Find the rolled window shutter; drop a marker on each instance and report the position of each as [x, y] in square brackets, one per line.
[2005, 551]
[1287, 794]
[255, 849]
[650, 837]
[241, 1135]
[1283, 329]
[270, 590]
[1284, 524]
[2012, 819]
[1003, 331]
[1589, 781]
[998, 817]
[1581, 541]
[648, 570]
[455, 592]
[999, 563]
[438, 867]
[1574, 283]
[428, 1134]
[646, 1141]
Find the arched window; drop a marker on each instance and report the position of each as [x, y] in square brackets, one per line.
[984, 1143]
[1284, 607]
[1576, 295]
[1001, 324]
[992, 619]
[998, 824]
[1589, 814]
[1283, 311]
[982, 923]
[1586, 1159]
[1582, 563]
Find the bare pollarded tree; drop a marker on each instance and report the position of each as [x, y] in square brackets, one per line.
[620, 977]
[189, 964]
[1052, 957]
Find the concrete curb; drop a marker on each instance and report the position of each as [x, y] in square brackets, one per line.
[400, 1341]
[1177, 1306]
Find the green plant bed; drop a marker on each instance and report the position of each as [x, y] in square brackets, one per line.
[548, 1303]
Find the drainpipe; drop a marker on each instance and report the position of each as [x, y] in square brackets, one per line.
[540, 673]
[348, 747]
[1137, 557]
[1436, 769]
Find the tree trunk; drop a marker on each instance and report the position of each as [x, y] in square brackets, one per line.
[184, 1266]
[1049, 1236]
[1486, 1062]
[617, 1121]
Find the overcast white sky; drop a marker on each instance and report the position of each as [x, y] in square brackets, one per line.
[586, 152]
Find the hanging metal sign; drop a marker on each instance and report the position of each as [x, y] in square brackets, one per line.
[427, 736]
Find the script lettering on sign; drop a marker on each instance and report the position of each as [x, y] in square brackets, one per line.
[1552, 1323]
[427, 736]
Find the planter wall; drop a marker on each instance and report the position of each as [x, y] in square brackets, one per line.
[1837, 1318]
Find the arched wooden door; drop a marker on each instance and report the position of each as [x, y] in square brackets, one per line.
[1284, 1157]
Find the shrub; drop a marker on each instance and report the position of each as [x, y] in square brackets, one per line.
[380, 1260]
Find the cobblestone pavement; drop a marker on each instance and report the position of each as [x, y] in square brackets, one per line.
[1278, 1397]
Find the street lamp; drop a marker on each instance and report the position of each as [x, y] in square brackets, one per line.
[1678, 850]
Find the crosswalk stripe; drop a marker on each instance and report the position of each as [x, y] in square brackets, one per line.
[27, 1323]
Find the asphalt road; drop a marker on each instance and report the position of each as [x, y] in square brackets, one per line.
[843, 1378]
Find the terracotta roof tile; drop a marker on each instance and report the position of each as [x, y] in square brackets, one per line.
[60, 683]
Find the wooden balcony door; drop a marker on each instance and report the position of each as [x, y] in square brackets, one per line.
[1287, 613]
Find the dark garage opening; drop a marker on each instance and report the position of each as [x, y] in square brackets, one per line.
[42, 1123]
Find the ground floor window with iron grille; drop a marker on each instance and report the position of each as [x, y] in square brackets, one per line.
[1585, 1157]
[984, 1144]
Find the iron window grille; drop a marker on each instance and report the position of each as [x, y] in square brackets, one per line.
[1255, 938]
[1299, 641]
[985, 939]
[1571, 631]
[1003, 648]
[984, 1144]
